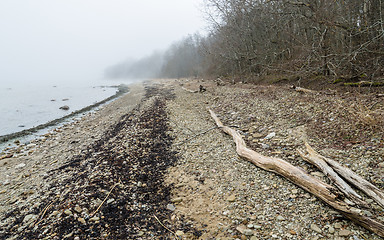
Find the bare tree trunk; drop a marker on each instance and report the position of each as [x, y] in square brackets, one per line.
[320, 189]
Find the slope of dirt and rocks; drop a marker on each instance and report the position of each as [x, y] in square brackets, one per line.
[153, 165]
[232, 198]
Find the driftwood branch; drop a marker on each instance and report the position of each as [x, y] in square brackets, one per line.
[320, 189]
[188, 90]
[359, 182]
[302, 90]
[314, 158]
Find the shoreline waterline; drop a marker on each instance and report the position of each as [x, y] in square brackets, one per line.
[121, 90]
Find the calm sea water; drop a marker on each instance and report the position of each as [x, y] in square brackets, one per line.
[29, 105]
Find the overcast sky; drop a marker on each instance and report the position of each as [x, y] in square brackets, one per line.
[74, 40]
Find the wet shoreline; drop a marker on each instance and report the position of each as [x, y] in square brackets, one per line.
[121, 89]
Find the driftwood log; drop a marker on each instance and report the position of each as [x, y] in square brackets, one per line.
[188, 90]
[354, 179]
[315, 159]
[329, 194]
[302, 90]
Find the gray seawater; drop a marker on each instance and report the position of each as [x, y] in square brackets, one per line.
[28, 105]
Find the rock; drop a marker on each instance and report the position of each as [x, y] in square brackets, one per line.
[269, 136]
[254, 238]
[21, 165]
[367, 213]
[82, 220]
[369, 201]
[257, 227]
[257, 135]
[6, 182]
[241, 228]
[337, 225]
[68, 235]
[248, 232]
[177, 200]
[110, 200]
[231, 198]
[94, 219]
[29, 218]
[381, 165]
[315, 228]
[65, 108]
[179, 233]
[171, 207]
[68, 212]
[344, 233]
[331, 230]
[293, 232]
[265, 146]
[78, 209]
[140, 233]
[280, 218]
[55, 213]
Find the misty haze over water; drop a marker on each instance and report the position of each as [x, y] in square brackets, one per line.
[26, 106]
[69, 43]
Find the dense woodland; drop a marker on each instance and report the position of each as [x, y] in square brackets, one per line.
[252, 38]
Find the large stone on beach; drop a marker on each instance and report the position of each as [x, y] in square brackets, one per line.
[29, 218]
[65, 107]
[231, 198]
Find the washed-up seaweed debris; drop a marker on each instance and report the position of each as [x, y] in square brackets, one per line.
[114, 189]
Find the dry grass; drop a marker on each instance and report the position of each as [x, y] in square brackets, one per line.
[363, 115]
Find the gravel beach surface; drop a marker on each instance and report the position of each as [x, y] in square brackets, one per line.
[153, 165]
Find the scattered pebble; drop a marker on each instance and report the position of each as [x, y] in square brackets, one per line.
[171, 207]
[21, 165]
[315, 228]
[177, 200]
[344, 233]
[231, 198]
[68, 212]
[82, 220]
[78, 209]
[94, 219]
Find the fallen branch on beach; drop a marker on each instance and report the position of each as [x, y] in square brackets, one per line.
[315, 159]
[359, 182]
[329, 194]
[188, 90]
[302, 90]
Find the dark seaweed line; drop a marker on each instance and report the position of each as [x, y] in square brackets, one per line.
[119, 150]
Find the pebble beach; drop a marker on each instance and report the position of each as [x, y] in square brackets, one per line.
[153, 165]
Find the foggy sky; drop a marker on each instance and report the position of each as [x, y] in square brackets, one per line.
[75, 40]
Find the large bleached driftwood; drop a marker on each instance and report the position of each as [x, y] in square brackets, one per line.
[359, 182]
[312, 157]
[320, 189]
